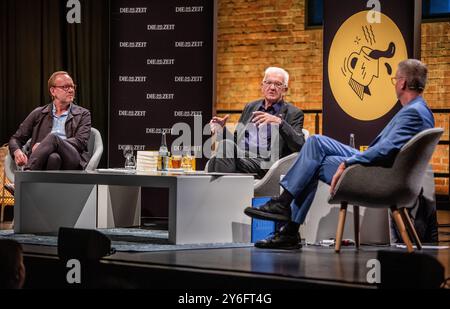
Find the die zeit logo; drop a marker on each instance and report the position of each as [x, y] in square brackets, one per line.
[161, 27]
[189, 44]
[363, 57]
[187, 113]
[132, 113]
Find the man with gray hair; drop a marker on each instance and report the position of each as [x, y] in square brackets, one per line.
[326, 159]
[268, 129]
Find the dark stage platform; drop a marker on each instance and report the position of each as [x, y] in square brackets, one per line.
[230, 268]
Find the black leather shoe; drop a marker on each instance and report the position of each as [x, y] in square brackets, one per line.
[280, 240]
[10, 188]
[272, 210]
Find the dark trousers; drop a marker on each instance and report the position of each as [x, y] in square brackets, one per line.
[229, 159]
[53, 153]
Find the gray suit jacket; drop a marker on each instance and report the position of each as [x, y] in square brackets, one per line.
[290, 130]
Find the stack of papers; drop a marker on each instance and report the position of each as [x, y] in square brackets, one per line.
[147, 161]
[116, 170]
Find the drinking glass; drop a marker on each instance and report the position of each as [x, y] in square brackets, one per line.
[186, 162]
[176, 161]
[128, 153]
[130, 163]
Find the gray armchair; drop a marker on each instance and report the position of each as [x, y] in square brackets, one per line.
[95, 150]
[10, 165]
[269, 185]
[396, 187]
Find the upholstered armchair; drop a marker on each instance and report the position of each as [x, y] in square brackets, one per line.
[395, 187]
[95, 149]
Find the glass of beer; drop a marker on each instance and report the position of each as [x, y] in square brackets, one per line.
[363, 148]
[186, 163]
[176, 161]
[193, 165]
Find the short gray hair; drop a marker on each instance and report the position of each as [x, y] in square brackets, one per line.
[415, 74]
[280, 71]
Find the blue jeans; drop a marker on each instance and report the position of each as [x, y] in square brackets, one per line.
[319, 158]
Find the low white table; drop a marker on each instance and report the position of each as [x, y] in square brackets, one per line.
[202, 208]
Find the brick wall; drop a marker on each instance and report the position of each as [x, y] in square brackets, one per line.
[253, 34]
[435, 52]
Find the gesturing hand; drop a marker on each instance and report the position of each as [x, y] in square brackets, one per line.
[336, 177]
[260, 118]
[217, 123]
[20, 158]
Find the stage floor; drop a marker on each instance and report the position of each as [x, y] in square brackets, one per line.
[311, 266]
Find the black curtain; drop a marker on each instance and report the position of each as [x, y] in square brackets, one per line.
[35, 41]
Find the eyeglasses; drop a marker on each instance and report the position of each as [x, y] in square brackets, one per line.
[66, 88]
[394, 80]
[268, 83]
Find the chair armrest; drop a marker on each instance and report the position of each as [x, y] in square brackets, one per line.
[10, 164]
[95, 159]
[10, 167]
[371, 186]
[207, 163]
[269, 184]
[96, 156]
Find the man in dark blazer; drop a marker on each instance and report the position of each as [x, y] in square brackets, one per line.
[59, 131]
[326, 159]
[268, 130]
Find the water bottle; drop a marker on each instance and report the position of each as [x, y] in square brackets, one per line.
[352, 140]
[163, 155]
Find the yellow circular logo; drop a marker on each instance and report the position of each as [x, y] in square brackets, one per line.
[363, 58]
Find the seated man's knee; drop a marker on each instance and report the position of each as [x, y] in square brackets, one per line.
[51, 138]
[315, 139]
[54, 161]
[225, 149]
[211, 165]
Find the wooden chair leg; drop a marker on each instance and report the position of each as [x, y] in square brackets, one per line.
[340, 227]
[356, 224]
[411, 228]
[401, 227]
